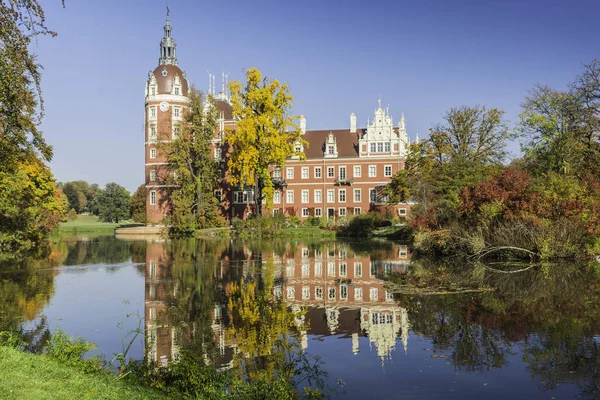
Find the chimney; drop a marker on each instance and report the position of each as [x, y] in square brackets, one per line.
[352, 123]
[302, 124]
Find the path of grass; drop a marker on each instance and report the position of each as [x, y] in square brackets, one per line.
[85, 224]
[29, 376]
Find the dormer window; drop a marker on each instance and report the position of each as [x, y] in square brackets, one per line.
[177, 91]
[153, 90]
[331, 149]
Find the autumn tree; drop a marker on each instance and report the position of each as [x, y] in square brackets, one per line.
[114, 203]
[29, 209]
[138, 204]
[265, 134]
[196, 171]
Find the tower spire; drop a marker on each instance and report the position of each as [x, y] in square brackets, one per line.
[167, 44]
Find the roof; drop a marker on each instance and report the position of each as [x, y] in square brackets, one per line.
[347, 142]
[227, 109]
[165, 83]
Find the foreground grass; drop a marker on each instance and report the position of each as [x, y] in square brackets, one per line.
[88, 224]
[29, 376]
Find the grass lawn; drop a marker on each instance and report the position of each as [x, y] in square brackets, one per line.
[29, 376]
[88, 224]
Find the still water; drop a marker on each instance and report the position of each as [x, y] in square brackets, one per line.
[384, 324]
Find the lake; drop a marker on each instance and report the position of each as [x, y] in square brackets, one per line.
[384, 323]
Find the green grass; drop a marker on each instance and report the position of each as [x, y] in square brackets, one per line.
[85, 224]
[29, 376]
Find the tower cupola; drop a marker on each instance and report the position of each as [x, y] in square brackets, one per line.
[167, 45]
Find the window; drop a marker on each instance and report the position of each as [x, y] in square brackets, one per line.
[153, 90]
[289, 196]
[152, 314]
[305, 196]
[317, 172]
[342, 173]
[357, 293]
[372, 171]
[219, 194]
[318, 196]
[380, 147]
[152, 112]
[305, 212]
[289, 271]
[289, 173]
[238, 197]
[373, 149]
[152, 132]
[357, 196]
[330, 195]
[152, 175]
[373, 293]
[304, 172]
[318, 212]
[389, 296]
[343, 269]
[153, 269]
[298, 148]
[331, 268]
[387, 147]
[318, 253]
[277, 197]
[243, 197]
[343, 292]
[318, 268]
[318, 292]
[387, 170]
[342, 195]
[342, 211]
[152, 153]
[176, 112]
[357, 269]
[276, 172]
[356, 210]
[217, 154]
[331, 294]
[176, 91]
[402, 211]
[305, 292]
[291, 293]
[372, 195]
[175, 132]
[357, 171]
[331, 149]
[330, 172]
[153, 198]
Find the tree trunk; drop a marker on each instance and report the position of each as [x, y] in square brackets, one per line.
[258, 195]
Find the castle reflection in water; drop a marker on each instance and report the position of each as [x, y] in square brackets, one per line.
[342, 292]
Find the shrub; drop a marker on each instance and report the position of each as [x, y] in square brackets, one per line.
[72, 215]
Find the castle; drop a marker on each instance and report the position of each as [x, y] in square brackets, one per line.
[342, 175]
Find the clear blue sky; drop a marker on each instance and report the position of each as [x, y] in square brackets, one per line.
[338, 57]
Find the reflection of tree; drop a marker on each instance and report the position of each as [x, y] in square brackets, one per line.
[553, 311]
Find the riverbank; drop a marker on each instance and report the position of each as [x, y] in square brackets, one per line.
[86, 224]
[31, 376]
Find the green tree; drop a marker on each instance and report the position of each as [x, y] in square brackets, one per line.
[114, 203]
[262, 137]
[92, 195]
[138, 204]
[196, 170]
[76, 193]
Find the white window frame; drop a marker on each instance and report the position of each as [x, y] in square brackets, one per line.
[318, 172]
[331, 293]
[318, 292]
[357, 168]
[277, 197]
[318, 196]
[358, 293]
[331, 195]
[387, 168]
[289, 196]
[318, 212]
[373, 147]
[318, 269]
[343, 269]
[331, 172]
[342, 212]
[373, 294]
[289, 173]
[152, 112]
[176, 112]
[152, 153]
[357, 210]
[176, 132]
[371, 199]
[305, 292]
[291, 292]
[217, 153]
[305, 196]
[372, 174]
[387, 147]
[152, 175]
[304, 173]
[357, 269]
[341, 193]
[340, 169]
[343, 291]
[305, 212]
[359, 198]
[153, 197]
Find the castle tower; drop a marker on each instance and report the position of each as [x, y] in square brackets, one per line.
[166, 99]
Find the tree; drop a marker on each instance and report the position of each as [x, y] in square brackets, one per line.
[29, 208]
[197, 172]
[114, 203]
[138, 204]
[76, 192]
[261, 138]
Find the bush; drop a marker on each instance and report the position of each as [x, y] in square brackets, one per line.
[70, 351]
[72, 215]
[363, 225]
